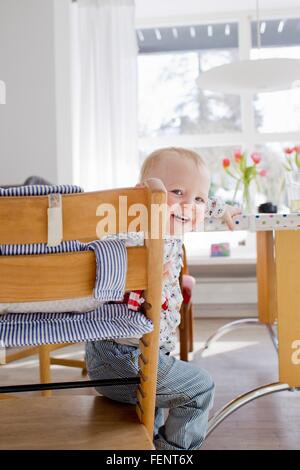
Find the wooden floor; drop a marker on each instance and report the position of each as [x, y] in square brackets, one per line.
[238, 362]
[73, 423]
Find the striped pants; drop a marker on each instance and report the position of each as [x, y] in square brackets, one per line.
[184, 389]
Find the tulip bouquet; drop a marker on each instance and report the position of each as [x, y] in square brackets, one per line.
[292, 158]
[244, 174]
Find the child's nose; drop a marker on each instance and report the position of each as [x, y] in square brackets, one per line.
[188, 201]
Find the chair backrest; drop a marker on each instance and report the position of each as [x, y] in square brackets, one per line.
[69, 275]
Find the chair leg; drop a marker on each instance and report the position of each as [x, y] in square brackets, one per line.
[184, 333]
[191, 328]
[16, 356]
[45, 372]
[68, 362]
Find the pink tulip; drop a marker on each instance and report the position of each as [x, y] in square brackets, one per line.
[297, 148]
[238, 155]
[263, 173]
[256, 158]
[289, 150]
[226, 163]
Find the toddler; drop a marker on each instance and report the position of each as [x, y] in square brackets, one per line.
[183, 388]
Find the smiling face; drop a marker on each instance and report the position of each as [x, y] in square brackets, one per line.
[187, 184]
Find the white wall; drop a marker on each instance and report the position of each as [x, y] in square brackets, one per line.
[35, 121]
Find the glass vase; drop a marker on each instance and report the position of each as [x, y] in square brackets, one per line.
[293, 190]
[249, 206]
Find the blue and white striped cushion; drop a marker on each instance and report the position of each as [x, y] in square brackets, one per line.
[40, 190]
[111, 262]
[40, 248]
[109, 321]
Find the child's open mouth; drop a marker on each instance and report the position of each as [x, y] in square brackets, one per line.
[181, 218]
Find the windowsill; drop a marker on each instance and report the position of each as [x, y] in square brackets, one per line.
[198, 249]
[233, 259]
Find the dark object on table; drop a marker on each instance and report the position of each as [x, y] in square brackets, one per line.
[36, 180]
[31, 180]
[267, 208]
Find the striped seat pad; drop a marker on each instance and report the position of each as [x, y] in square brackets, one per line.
[109, 321]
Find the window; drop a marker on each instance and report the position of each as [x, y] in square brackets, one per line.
[277, 112]
[174, 111]
[170, 101]
[281, 32]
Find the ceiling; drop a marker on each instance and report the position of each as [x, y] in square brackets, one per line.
[166, 8]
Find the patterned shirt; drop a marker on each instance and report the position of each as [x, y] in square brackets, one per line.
[170, 316]
[171, 293]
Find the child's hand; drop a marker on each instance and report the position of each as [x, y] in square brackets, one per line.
[230, 211]
[167, 270]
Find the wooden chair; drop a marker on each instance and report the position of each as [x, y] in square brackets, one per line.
[186, 327]
[44, 352]
[80, 422]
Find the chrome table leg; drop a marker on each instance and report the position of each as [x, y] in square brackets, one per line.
[273, 335]
[227, 328]
[223, 330]
[242, 400]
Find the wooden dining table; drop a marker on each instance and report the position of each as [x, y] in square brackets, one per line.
[278, 287]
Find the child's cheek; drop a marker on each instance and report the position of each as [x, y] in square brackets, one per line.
[170, 199]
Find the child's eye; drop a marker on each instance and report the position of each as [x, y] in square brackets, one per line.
[199, 200]
[178, 192]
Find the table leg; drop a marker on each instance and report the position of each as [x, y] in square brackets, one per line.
[287, 255]
[266, 278]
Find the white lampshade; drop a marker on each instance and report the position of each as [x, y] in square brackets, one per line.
[252, 76]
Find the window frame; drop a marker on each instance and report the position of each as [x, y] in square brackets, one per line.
[249, 135]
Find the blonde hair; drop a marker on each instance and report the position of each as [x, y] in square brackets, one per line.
[159, 154]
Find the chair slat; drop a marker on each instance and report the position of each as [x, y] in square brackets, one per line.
[61, 276]
[26, 217]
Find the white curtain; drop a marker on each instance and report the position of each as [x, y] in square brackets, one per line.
[104, 61]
